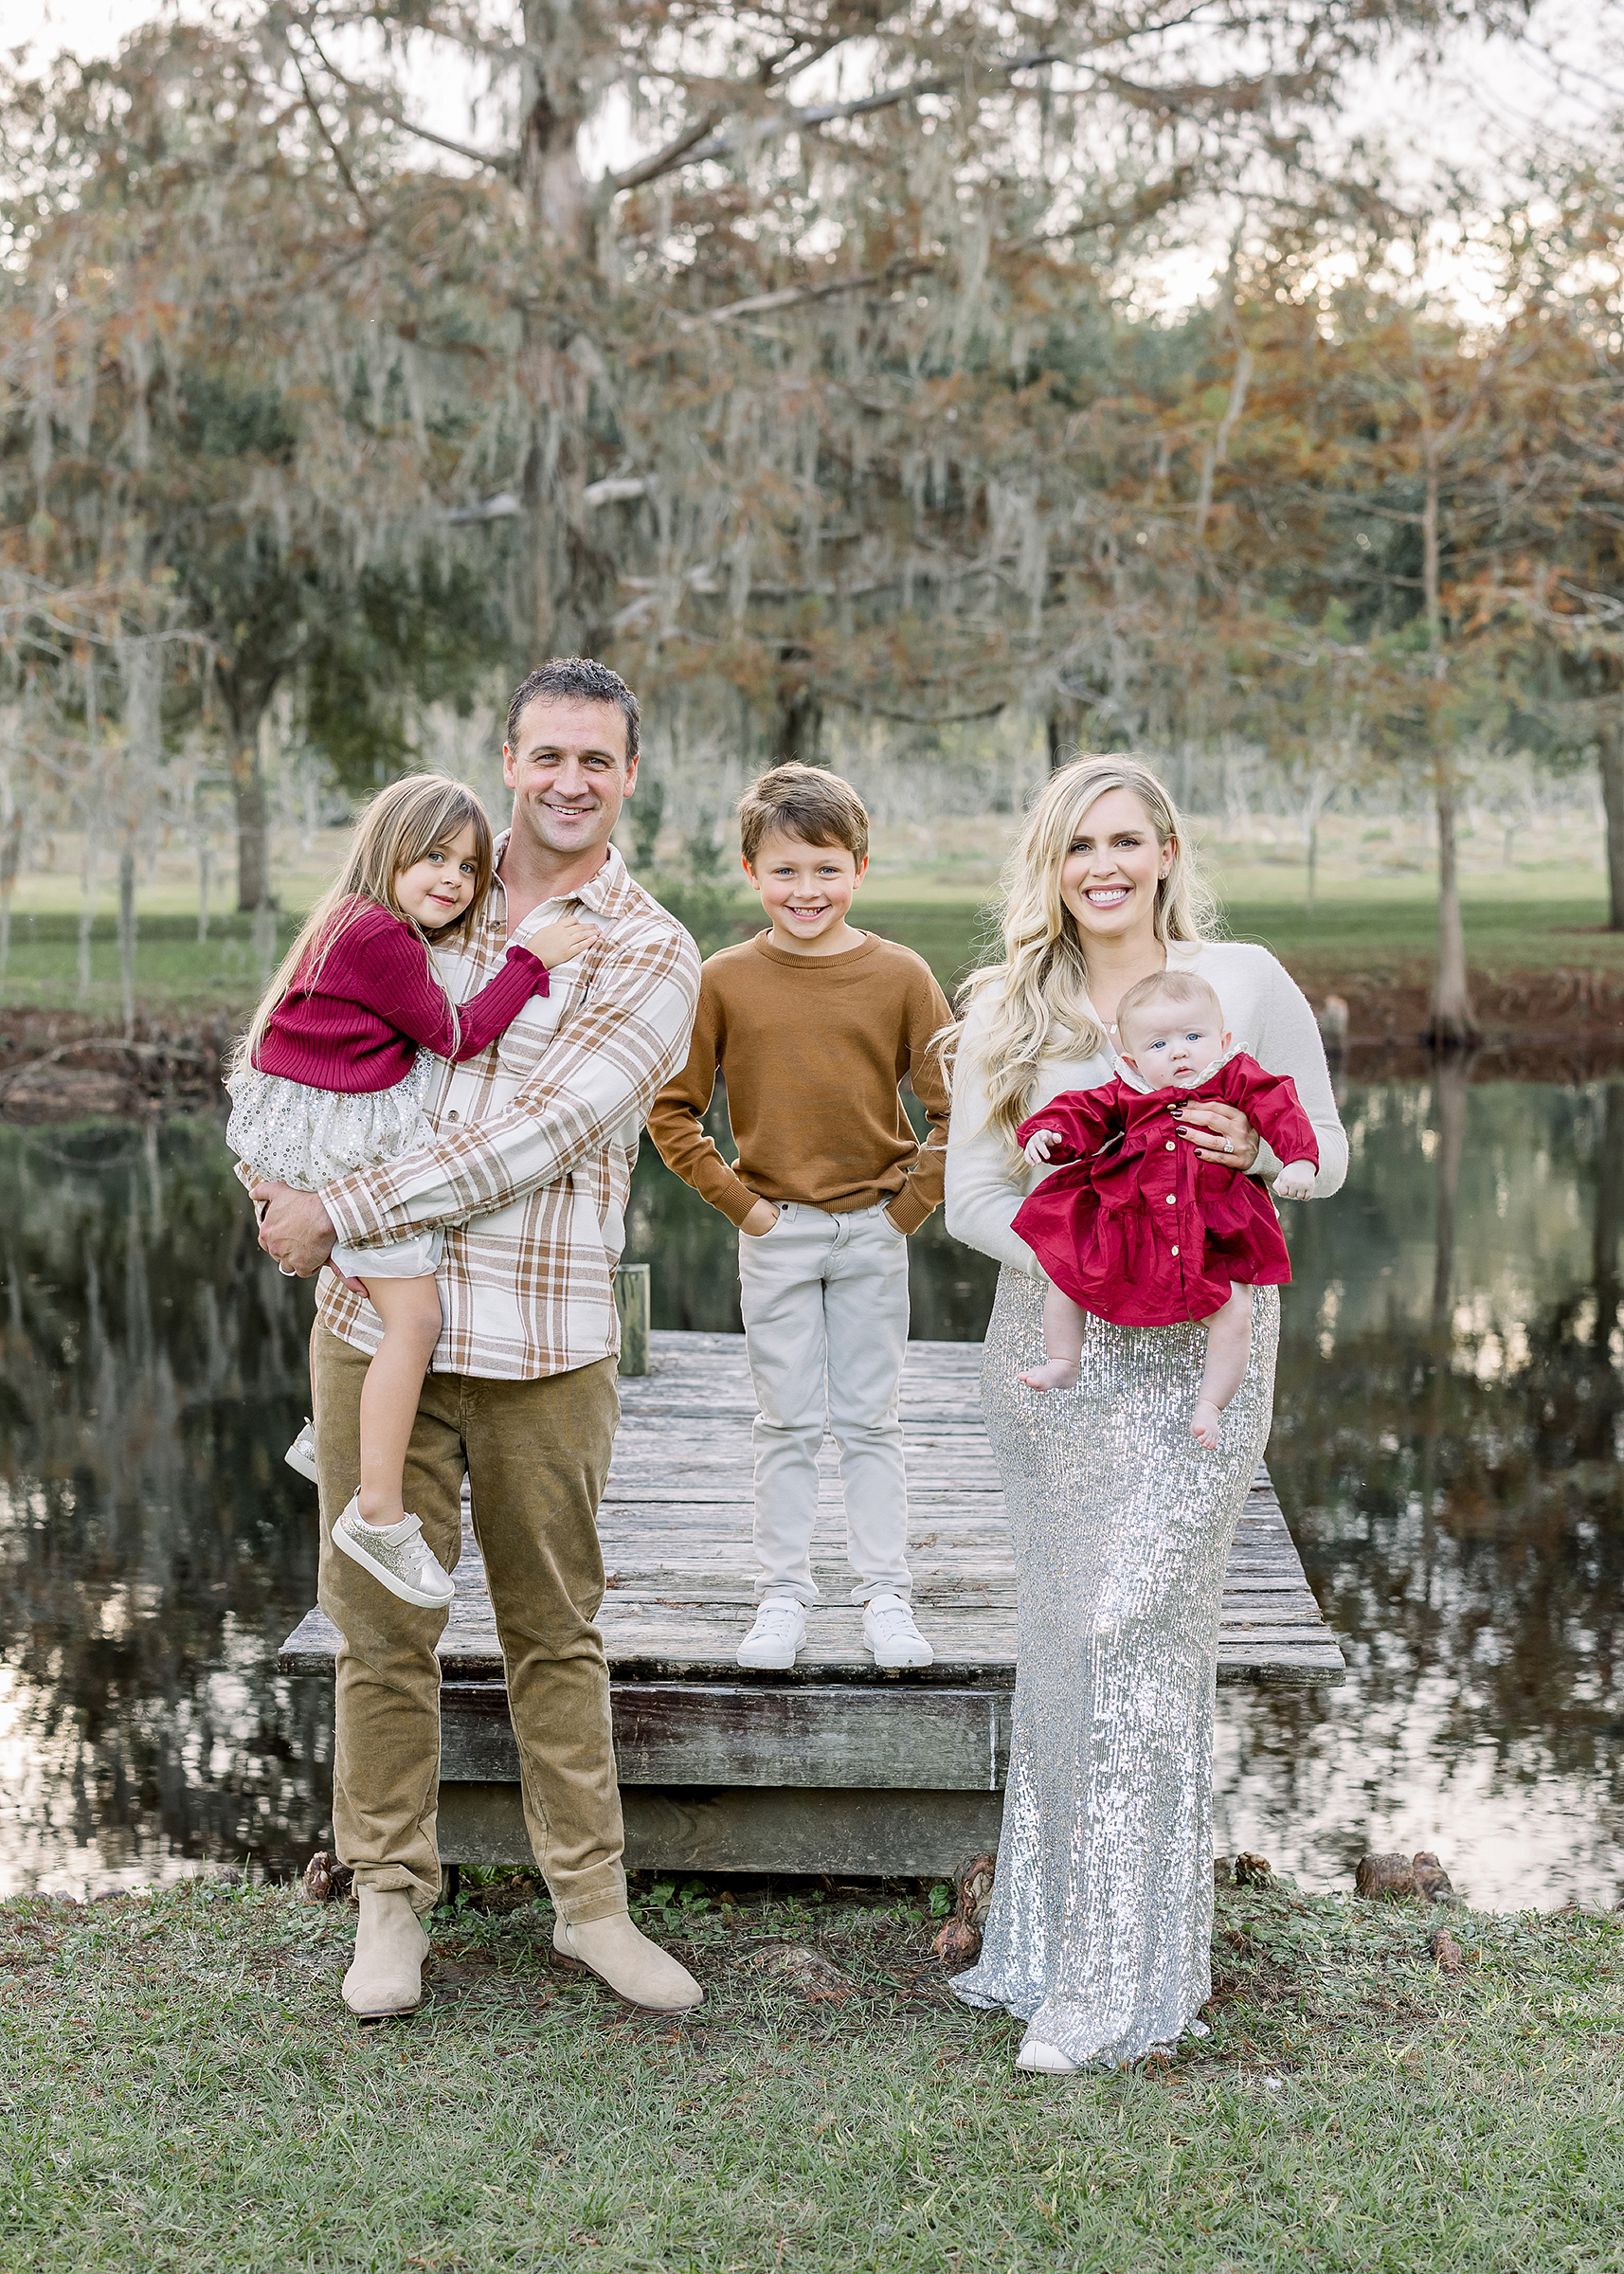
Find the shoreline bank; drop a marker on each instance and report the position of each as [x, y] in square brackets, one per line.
[1562, 1025]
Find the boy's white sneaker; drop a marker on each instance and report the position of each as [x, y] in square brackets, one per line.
[779, 1631]
[891, 1634]
[398, 1557]
[300, 1455]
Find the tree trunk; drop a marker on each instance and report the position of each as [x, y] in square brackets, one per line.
[127, 937]
[86, 902]
[1313, 805]
[799, 727]
[253, 826]
[1452, 1024]
[558, 209]
[1609, 1226]
[1610, 758]
[11, 863]
[1065, 727]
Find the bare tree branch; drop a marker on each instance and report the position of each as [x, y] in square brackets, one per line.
[794, 296]
[723, 144]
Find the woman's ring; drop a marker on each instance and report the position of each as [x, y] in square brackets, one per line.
[1229, 1145]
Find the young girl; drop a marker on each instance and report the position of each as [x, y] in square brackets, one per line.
[330, 1078]
[1137, 1230]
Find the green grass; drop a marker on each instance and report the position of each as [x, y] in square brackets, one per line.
[1342, 939]
[1378, 933]
[177, 976]
[181, 2090]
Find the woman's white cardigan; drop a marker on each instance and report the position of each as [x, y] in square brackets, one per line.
[1269, 1018]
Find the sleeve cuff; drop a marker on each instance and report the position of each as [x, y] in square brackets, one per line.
[350, 1213]
[906, 1211]
[734, 1202]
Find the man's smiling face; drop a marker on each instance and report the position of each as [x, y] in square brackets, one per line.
[568, 773]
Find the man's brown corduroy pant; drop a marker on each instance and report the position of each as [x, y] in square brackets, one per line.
[537, 1454]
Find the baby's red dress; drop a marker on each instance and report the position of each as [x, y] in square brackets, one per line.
[1150, 1234]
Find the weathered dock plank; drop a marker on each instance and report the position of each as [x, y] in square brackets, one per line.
[834, 1766]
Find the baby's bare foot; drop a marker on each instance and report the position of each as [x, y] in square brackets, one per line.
[1058, 1374]
[1205, 1424]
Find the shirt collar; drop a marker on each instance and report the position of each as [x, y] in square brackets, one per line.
[1135, 1080]
[604, 893]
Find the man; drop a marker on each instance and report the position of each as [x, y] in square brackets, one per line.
[527, 1174]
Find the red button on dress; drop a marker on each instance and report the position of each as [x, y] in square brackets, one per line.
[1092, 1225]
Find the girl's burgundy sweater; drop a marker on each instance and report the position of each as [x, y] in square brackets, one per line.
[376, 1001]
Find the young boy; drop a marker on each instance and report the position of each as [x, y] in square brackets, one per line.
[812, 1026]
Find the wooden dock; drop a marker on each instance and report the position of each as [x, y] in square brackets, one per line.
[835, 1766]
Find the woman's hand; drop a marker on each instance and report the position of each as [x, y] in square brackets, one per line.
[1220, 1133]
[561, 942]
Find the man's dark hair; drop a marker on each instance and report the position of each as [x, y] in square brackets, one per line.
[577, 679]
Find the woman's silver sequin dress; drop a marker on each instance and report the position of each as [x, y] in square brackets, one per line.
[1101, 1922]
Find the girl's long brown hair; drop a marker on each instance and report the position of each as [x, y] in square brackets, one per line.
[402, 825]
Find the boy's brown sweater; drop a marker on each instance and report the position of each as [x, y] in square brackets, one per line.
[812, 1049]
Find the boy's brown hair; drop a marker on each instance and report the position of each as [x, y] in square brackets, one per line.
[805, 801]
[1165, 986]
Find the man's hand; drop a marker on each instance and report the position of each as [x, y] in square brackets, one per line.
[294, 1227]
[761, 1218]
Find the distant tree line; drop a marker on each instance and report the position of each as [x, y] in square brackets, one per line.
[826, 395]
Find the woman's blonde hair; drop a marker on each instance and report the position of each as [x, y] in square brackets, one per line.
[1039, 991]
[402, 825]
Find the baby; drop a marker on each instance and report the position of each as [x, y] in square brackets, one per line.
[1137, 1228]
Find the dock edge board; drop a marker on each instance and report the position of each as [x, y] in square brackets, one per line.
[867, 1835]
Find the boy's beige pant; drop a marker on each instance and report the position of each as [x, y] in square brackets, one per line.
[825, 1309]
[537, 1454]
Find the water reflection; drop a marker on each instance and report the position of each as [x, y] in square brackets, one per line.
[1448, 1442]
[153, 1549]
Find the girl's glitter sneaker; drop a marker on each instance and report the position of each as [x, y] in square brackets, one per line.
[397, 1554]
[300, 1455]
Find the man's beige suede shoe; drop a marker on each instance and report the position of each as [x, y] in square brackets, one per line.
[636, 1970]
[386, 1977]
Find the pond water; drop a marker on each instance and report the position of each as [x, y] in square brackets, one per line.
[1448, 1444]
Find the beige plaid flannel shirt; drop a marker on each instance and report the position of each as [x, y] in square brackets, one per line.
[534, 1142]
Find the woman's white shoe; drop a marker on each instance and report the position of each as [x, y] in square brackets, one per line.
[1048, 2060]
[397, 1554]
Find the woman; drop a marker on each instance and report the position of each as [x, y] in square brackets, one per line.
[1101, 1920]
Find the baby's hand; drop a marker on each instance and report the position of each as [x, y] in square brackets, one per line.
[558, 943]
[1295, 1181]
[1037, 1146]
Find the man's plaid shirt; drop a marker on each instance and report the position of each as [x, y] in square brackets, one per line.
[534, 1142]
